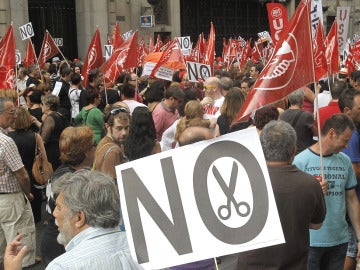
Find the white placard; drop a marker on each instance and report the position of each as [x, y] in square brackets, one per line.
[175, 203]
[197, 71]
[185, 45]
[316, 14]
[342, 18]
[26, 31]
[56, 89]
[108, 51]
[59, 42]
[127, 35]
[17, 57]
[164, 73]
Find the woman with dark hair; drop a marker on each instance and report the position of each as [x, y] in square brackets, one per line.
[141, 141]
[26, 141]
[91, 115]
[265, 115]
[34, 104]
[53, 124]
[154, 94]
[234, 99]
[77, 150]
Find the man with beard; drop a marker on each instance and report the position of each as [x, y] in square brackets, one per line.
[109, 151]
[88, 213]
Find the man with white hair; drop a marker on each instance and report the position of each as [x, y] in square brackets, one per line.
[213, 98]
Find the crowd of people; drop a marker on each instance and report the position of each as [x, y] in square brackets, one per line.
[84, 131]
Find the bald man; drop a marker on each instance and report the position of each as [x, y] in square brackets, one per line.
[213, 98]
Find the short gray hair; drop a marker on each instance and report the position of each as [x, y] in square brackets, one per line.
[278, 140]
[296, 97]
[3, 100]
[93, 193]
[226, 83]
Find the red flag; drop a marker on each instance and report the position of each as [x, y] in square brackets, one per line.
[151, 44]
[320, 63]
[256, 52]
[94, 57]
[7, 48]
[124, 57]
[171, 55]
[290, 67]
[278, 19]
[210, 48]
[30, 57]
[332, 49]
[195, 52]
[158, 44]
[142, 52]
[7, 77]
[245, 54]
[117, 39]
[48, 49]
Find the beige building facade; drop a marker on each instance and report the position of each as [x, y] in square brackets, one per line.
[104, 13]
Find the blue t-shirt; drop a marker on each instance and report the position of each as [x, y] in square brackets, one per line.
[339, 174]
[353, 151]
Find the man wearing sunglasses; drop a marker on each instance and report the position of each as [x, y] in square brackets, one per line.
[109, 151]
[213, 98]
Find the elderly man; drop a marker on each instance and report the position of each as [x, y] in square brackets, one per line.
[298, 211]
[15, 211]
[88, 213]
[328, 245]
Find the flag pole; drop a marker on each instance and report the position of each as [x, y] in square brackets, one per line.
[316, 101]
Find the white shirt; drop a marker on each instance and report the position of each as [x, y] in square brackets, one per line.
[133, 104]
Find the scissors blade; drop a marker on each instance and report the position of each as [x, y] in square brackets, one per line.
[233, 178]
[221, 181]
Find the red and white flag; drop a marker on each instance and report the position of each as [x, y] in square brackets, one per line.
[117, 39]
[7, 48]
[170, 57]
[245, 54]
[158, 44]
[30, 56]
[278, 20]
[291, 66]
[142, 52]
[48, 49]
[332, 49]
[94, 57]
[125, 57]
[210, 48]
[320, 63]
[151, 44]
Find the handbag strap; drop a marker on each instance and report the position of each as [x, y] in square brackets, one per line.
[296, 118]
[36, 143]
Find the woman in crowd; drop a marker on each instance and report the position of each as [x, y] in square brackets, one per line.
[265, 115]
[141, 141]
[53, 124]
[234, 99]
[77, 151]
[26, 140]
[194, 112]
[34, 104]
[91, 115]
[154, 94]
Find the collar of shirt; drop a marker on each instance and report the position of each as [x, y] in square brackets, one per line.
[4, 131]
[89, 233]
[166, 107]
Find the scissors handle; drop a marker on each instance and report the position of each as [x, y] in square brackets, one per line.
[224, 212]
[238, 210]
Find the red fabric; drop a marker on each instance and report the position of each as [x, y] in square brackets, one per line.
[332, 50]
[7, 48]
[142, 52]
[151, 44]
[278, 20]
[7, 77]
[158, 44]
[171, 54]
[30, 57]
[320, 63]
[290, 67]
[326, 112]
[117, 39]
[94, 57]
[125, 57]
[210, 48]
[245, 54]
[48, 49]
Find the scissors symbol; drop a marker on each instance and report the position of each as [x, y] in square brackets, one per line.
[224, 211]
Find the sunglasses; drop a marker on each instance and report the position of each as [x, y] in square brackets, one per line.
[208, 86]
[115, 112]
